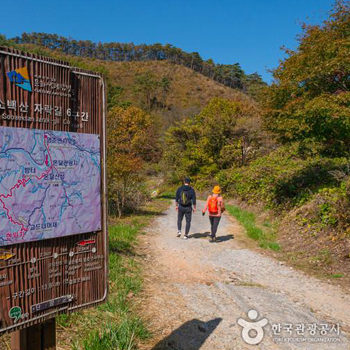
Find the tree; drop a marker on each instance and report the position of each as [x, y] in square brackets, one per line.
[165, 88]
[145, 86]
[3, 41]
[200, 146]
[132, 140]
[152, 92]
[114, 97]
[310, 98]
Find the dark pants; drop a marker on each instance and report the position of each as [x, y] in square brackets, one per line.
[187, 211]
[214, 223]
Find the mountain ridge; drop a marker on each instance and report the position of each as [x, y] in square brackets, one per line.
[231, 75]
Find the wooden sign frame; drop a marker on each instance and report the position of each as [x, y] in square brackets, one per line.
[42, 279]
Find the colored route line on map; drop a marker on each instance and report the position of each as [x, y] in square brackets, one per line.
[23, 183]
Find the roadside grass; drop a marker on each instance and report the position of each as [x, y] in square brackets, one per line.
[116, 325]
[167, 195]
[324, 257]
[265, 236]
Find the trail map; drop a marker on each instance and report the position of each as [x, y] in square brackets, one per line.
[49, 184]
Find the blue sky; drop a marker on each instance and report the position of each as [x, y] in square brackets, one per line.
[249, 32]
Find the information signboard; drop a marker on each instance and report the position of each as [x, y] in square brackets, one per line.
[53, 220]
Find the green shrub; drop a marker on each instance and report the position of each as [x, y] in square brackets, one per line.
[283, 179]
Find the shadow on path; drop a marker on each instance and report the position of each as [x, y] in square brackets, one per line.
[200, 235]
[224, 238]
[219, 239]
[190, 336]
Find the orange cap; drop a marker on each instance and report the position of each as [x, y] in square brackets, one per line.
[217, 189]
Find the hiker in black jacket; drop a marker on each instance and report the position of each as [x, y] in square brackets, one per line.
[185, 199]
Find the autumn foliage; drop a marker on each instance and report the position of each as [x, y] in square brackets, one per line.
[132, 141]
[310, 98]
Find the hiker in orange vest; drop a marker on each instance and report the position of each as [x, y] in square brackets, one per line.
[215, 206]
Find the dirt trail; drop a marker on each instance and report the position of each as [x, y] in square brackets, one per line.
[196, 291]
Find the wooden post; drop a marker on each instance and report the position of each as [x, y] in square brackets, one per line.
[39, 337]
[48, 335]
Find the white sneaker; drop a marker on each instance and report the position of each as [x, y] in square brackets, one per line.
[185, 237]
[178, 234]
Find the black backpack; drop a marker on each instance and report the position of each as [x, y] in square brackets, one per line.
[184, 198]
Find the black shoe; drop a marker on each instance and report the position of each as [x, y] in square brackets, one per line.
[212, 240]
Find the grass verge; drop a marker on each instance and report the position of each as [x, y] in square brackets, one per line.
[115, 325]
[265, 237]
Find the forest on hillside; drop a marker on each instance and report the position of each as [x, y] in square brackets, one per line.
[231, 75]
